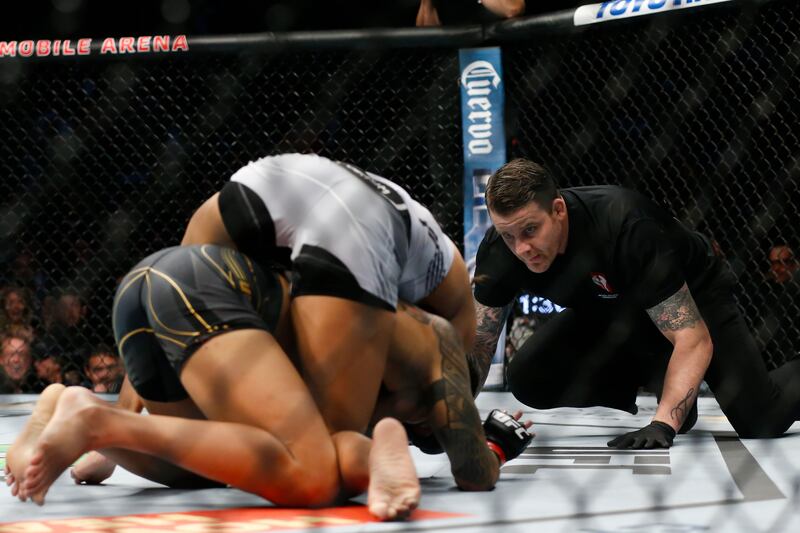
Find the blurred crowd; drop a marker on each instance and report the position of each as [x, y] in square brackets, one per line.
[47, 336]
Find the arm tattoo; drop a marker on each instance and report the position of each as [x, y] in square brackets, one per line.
[676, 312]
[414, 312]
[491, 321]
[680, 411]
[473, 465]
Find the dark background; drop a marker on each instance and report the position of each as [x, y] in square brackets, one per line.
[59, 19]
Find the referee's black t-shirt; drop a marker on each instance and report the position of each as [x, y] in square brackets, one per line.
[621, 247]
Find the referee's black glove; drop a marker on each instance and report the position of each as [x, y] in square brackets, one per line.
[654, 435]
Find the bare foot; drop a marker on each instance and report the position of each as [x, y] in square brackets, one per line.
[19, 454]
[93, 469]
[393, 484]
[65, 438]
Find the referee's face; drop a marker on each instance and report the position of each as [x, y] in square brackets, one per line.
[535, 236]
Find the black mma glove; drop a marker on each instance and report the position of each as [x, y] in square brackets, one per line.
[505, 435]
[424, 439]
[654, 435]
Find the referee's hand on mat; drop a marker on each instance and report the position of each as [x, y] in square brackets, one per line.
[654, 435]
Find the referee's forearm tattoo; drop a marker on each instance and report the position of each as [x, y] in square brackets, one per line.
[490, 322]
[679, 412]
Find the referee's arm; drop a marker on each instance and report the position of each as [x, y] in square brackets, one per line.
[490, 323]
[680, 322]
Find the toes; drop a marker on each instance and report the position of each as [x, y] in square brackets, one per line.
[412, 502]
[36, 458]
[379, 510]
[400, 509]
[391, 513]
[31, 485]
[401, 512]
[32, 477]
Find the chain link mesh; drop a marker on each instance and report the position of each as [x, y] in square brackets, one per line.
[697, 112]
[103, 162]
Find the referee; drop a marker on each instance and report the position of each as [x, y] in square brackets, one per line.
[648, 303]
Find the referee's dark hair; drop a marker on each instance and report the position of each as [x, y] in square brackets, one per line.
[518, 183]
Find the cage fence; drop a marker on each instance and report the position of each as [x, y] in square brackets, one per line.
[103, 160]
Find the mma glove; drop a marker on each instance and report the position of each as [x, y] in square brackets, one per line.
[505, 435]
[654, 435]
[424, 440]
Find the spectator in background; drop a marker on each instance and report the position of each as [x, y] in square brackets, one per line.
[24, 272]
[17, 363]
[782, 264]
[49, 312]
[70, 309]
[73, 377]
[69, 329]
[15, 308]
[777, 326]
[104, 370]
[5, 382]
[20, 330]
[456, 12]
[47, 362]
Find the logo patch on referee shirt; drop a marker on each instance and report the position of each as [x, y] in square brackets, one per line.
[599, 279]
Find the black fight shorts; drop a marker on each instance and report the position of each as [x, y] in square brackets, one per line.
[178, 298]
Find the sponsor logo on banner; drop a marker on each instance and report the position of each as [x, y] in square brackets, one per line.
[242, 519]
[620, 9]
[484, 149]
[83, 47]
[483, 137]
[479, 79]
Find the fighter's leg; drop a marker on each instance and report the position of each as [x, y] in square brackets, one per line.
[73, 430]
[316, 460]
[94, 468]
[428, 376]
[342, 346]
[284, 452]
[148, 466]
[394, 489]
[19, 454]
